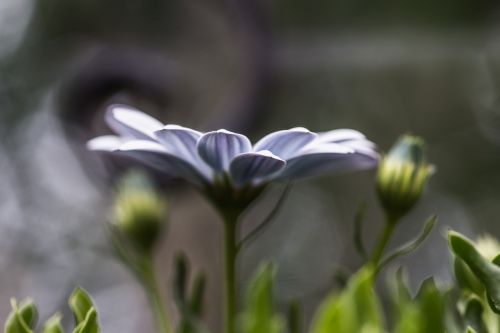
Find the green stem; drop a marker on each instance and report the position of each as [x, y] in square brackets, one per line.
[230, 252]
[155, 298]
[383, 241]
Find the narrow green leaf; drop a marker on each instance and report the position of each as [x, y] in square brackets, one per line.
[358, 230]
[487, 272]
[259, 315]
[53, 324]
[80, 303]
[181, 273]
[197, 294]
[411, 245]
[294, 317]
[356, 309]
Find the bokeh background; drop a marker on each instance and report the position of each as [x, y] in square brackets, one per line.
[383, 67]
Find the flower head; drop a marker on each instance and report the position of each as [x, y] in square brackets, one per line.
[226, 160]
[402, 175]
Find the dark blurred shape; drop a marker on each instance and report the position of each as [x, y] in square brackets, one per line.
[134, 74]
[357, 14]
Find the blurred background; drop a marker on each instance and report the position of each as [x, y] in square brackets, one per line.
[383, 67]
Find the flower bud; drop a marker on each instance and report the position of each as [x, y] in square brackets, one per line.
[402, 176]
[139, 212]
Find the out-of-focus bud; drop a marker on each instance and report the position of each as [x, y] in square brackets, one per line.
[139, 212]
[23, 317]
[402, 176]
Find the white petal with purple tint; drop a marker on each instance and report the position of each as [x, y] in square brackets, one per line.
[327, 158]
[196, 157]
[339, 135]
[106, 143]
[287, 143]
[218, 148]
[252, 167]
[132, 123]
[158, 157]
[181, 141]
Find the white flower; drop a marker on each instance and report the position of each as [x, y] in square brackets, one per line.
[224, 157]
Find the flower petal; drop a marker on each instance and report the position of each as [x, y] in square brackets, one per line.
[218, 148]
[157, 156]
[129, 122]
[106, 143]
[181, 141]
[251, 167]
[328, 158]
[287, 143]
[362, 146]
[340, 135]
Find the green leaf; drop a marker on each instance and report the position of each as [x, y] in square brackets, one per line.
[411, 245]
[294, 317]
[181, 275]
[487, 272]
[259, 315]
[431, 303]
[190, 305]
[358, 230]
[22, 318]
[410, 319]
[356, 309]
[81, 304]
[466, 279]
[90, 323]
[474, 316]
[53, 325]
[196, 299]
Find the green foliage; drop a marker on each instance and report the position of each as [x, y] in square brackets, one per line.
[53, 325]
[356, 309]
[425, 313]
[259, 315]
[411, 245]
[190, 305]
[474, 316]
[485, 271]
[23, 318]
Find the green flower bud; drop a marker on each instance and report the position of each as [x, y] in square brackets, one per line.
[139, 212]
[402, 176]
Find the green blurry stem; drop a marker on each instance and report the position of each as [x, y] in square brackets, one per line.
[230, 252]
[384, 239]
[153, 291]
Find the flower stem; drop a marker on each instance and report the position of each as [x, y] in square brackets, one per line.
[230, 252]
[383, 241]
[154, 295]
